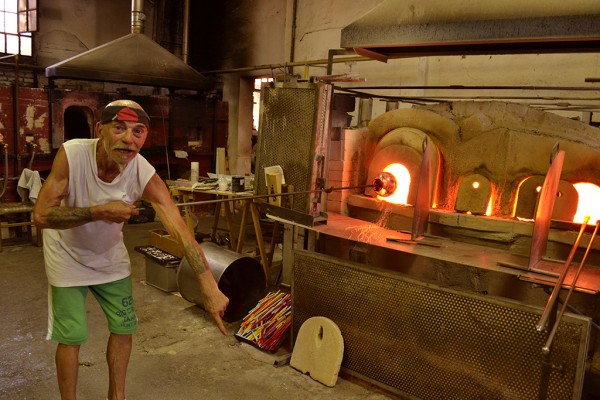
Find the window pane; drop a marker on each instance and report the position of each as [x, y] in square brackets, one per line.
[32, 21]
[10, 5]
[16, 27]
[11, 23]
[25, 46]
[12, 44]
[22, 20]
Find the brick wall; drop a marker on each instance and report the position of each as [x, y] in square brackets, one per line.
[345, 166]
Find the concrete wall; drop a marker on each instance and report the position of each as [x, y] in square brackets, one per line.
[69, 27]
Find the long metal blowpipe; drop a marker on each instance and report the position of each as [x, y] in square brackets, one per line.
[264, 196]
[546, 348]
[554, 295]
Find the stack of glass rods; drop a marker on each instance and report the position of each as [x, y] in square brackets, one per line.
[266, 324]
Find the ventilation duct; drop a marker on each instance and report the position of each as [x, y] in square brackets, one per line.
[395, 29]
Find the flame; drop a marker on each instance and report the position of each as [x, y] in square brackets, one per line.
[490, 206]
[589, 197]
[400, 172]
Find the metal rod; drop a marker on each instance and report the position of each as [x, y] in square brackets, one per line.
[263, 196]
[554, 296]
[477, 87]
[288, 64]
[574, 310]
[546, 348]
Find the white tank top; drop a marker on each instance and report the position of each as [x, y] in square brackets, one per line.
[92, 253]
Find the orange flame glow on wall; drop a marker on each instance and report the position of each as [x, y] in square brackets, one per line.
[589, 198]
[400, 172]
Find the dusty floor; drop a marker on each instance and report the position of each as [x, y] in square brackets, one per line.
[178, 352]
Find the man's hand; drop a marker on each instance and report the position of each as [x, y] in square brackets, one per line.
[213, 300]
[115, 211]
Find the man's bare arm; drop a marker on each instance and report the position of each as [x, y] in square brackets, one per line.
[67, 217]
[49, 214]
[214, 301]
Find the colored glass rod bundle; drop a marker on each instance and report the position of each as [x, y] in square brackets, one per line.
[266, 324]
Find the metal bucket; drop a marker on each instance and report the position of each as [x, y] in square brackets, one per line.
[240, 278]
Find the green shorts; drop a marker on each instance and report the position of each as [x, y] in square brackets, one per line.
[67, 312]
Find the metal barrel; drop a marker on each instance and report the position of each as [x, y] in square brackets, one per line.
[240, 278]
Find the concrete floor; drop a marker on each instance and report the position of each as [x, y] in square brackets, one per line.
[178, 352]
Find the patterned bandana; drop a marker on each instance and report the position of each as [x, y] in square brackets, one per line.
[123, 113]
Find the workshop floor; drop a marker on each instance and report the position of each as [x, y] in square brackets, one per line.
[178, 352]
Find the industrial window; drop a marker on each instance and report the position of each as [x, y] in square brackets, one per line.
[256, 100]
[18, 18]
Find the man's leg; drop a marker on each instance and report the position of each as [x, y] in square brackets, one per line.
[117, 356]
[67, 366]
[67, 327]
[116, 300]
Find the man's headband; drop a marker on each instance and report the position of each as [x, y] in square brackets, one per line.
[124, 113]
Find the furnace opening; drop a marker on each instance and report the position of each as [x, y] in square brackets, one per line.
[589, 197]
[573, 201]
[402, 176]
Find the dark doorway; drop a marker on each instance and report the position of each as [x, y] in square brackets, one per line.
[78, 123]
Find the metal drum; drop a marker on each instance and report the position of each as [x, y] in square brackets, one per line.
[240, 278]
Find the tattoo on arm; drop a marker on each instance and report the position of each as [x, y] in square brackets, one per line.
[195, 259]
[68, 217]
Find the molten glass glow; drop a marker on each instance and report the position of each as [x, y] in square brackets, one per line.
[589, 197]
[475, 185]
[490, 205]
[400, 196]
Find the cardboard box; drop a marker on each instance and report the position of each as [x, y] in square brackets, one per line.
[162, 240]
[161, 276]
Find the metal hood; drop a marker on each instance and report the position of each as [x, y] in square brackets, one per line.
[402, 28]
[131, 59]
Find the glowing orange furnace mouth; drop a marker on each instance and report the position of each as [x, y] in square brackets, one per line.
[392, 184]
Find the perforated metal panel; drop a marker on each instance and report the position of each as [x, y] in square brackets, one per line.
[294, 124]
[427, 342]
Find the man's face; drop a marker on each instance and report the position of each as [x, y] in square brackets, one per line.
[122, 140]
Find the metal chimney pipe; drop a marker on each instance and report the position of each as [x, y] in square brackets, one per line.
[137, 16]
[186, 31]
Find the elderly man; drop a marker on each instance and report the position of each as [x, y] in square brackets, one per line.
[82, 206]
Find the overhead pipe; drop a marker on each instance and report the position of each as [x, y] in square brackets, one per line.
[287, 65]
[467, 87]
